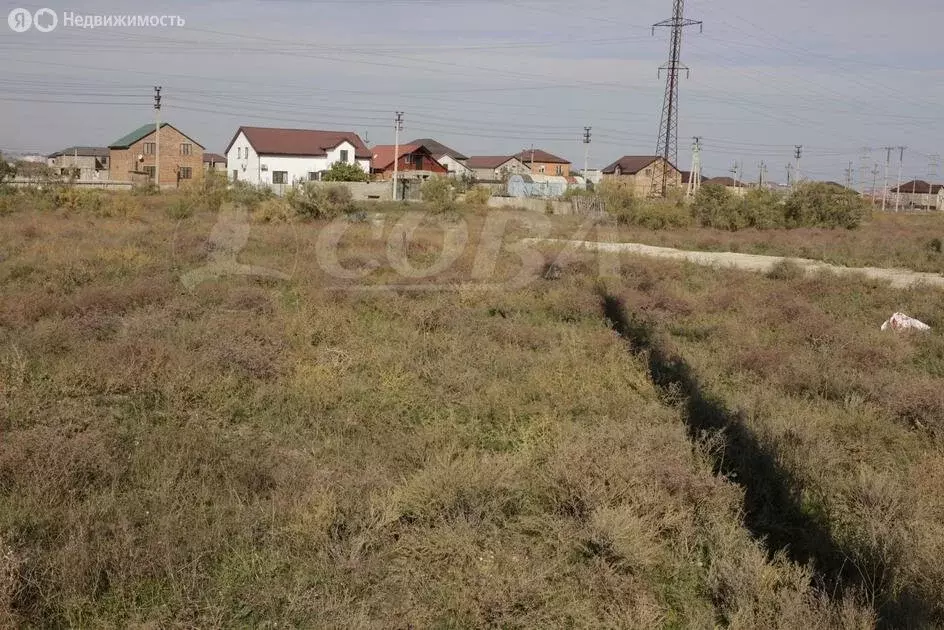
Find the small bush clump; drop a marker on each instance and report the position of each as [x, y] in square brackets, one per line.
[439, 193]
[245, 194]
[478, 196]
[315, 201]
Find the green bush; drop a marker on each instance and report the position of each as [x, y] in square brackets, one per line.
[247, 195]
[439, 193]
[764, 209]
[316, 201]
[627, 208]
[180, 209]
[341, 172]
[478, 196]
[824, 205]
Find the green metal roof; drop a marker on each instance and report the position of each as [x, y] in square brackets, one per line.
[141, 132]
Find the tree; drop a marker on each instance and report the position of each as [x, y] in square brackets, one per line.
[7, 170]
[342, 172]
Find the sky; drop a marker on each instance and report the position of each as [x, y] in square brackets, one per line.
[491, 77]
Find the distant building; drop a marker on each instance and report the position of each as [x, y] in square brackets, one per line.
[82, 163]
[277, 158]
[414, 161]
[918, 194]
[738, 188]
[133, 158]
[214, 162]
[454, 161]
[545, 186]
[642, 173]
[495, 168]
[544, 163]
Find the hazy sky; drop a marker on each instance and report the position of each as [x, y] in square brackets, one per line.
[494, 77]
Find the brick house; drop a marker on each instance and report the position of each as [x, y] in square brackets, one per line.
[544, 163]
[642, 173]
[133, 157]
[414, 161]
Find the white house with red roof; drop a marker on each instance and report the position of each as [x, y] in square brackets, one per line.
[275, 157]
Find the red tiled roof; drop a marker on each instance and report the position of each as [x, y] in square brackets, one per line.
[488, 161]
[307, 142]
[630, 164]
[918, 187]
[383, 154]
[542, 157]
[213, 157]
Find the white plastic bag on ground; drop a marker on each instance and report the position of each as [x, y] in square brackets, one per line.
[900, 321]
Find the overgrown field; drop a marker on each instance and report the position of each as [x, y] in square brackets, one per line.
[666, 447]
[904, 241]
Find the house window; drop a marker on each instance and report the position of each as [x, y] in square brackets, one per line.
[541, 169]
[313, 177]
[186, 148]
[648, 172]
[560, 169]
[417, 161]
[344, 155]
[186, 172]
[150, 148]
[279, 177]
[150, 170]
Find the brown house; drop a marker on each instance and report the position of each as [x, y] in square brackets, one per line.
[133, 158]
[544, 163]
[642, 173]
[414, 161]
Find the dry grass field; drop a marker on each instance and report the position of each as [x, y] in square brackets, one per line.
[889, 240]
[665, 447]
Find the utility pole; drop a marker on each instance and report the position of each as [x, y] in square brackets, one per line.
[934, 162]
[888, 160]
[694, 178]
[667, 146]
[586, 156]
[397, 128]
[532, 159]
[790, 175]
[875, 172]
[157, 136]
[865, 160]
[901, 160]
[850, 176]
[763, 174]
[797, 154]
[734, 173]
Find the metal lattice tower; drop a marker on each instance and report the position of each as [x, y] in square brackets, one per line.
[668, 129]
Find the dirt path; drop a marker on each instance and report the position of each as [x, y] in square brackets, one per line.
[899, 278]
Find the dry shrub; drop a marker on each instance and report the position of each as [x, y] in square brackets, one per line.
[276, 210]
[478, 196]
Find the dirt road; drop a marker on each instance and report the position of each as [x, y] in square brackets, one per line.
[899, 278]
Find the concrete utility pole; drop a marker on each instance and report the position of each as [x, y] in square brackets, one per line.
[586, 156]
[850, 176]
[789, 174]
[157, 136]
[875, 172]
[734, 173]
[397, 128]
[667, 146]
[901, 160]
[694, 178]
[934, 162]
[762, 180]
[865, 158]
[888, 161]
[798, 154]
